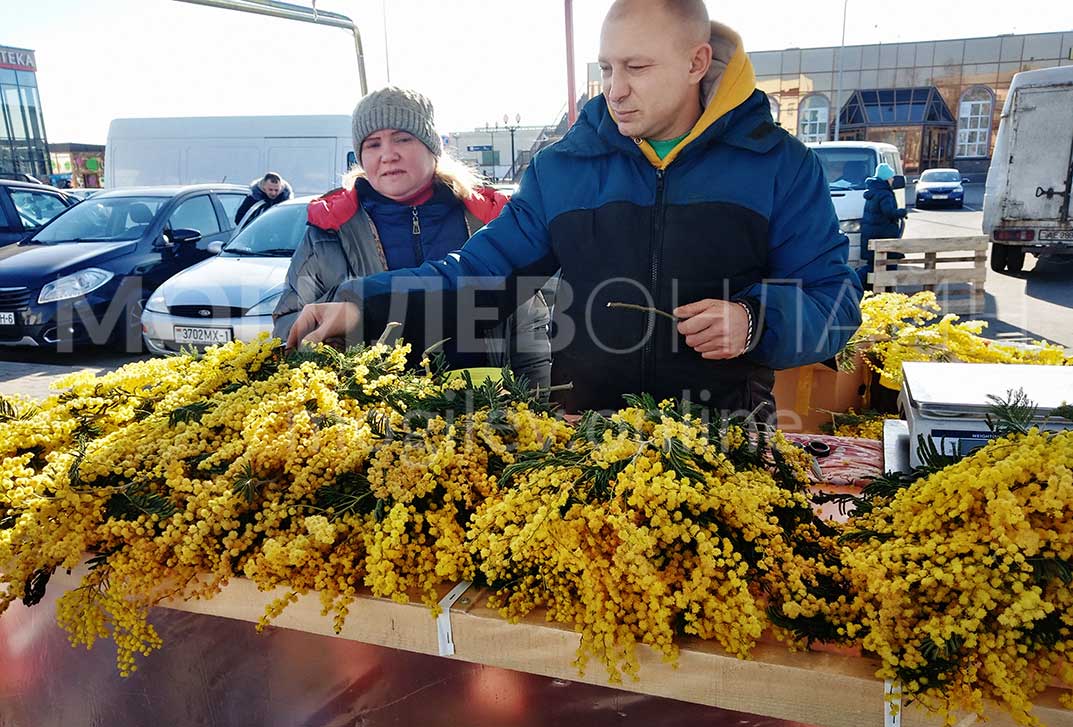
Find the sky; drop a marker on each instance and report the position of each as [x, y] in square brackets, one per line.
[476, 59]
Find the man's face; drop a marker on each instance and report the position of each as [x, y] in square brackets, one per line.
[271, 189]
[646, 68]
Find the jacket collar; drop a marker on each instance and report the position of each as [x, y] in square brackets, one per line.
[332, 210]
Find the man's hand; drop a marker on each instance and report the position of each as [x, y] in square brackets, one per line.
[319, 322]
[716, 329]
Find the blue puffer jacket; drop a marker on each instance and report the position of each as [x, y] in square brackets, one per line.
[738, 210]
[881, 216]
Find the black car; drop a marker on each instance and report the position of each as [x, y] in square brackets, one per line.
[85, 276]
[25, 207]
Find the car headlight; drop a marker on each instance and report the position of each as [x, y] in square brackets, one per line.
[266, 306]
[156, 303]
[849, 225]
[959, 190]
[74, 285]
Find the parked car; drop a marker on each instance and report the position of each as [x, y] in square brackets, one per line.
[21, 177]
[80, 194]
[1028, 200]
[26, 206]
[847, 165]
[940, 187]
[232, 295]
[85, 276]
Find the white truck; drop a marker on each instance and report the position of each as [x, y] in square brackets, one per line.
[847, 165]
[310, 152]
[1027, 196]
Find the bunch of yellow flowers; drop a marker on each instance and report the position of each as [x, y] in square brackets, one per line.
[896, 328]
[963, 578]
[346, 472]
[653, 524]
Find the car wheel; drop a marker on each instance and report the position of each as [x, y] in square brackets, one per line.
[998, 257]
[958, 205]
[127, 337]
[1015, 259]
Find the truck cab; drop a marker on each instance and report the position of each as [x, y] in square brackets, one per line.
[847, 165]
[1027, 196]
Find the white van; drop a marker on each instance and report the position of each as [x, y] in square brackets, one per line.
[1027, 196]
[847, 165]
[311, 152]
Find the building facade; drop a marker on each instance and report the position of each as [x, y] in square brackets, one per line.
[23, 143]
[488, 150]
[939, 102]
[77, 165]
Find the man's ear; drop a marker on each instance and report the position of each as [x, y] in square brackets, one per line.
[700, 62]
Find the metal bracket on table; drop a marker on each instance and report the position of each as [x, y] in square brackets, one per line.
[443, 621]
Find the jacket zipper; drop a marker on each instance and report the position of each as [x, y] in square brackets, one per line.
[655, 252]
[416, 229]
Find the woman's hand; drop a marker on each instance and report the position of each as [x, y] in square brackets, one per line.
[319, 322]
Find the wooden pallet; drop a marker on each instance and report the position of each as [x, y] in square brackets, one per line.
[954, 267]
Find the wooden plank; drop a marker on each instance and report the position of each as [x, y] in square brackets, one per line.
[930, 244]
[820, 688]
[929, 277]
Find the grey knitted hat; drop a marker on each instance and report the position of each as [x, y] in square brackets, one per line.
[396, 108]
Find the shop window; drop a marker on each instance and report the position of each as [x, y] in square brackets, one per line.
[974, 122]
[813, 115]
[774, 103]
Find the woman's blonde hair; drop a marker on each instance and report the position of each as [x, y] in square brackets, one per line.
[461, 178]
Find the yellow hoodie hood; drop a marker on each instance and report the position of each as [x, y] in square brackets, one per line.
[727, 85]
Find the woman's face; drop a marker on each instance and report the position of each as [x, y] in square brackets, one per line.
[396, 163]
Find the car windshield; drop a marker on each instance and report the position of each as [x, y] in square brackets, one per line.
[103, 219]
[940, 176]
[846, 168]
[276, 233]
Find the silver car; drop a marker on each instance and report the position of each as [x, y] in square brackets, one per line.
[230, 296]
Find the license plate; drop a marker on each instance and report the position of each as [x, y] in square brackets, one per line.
[939, 196]
[185, 334]
[7, 318]
[1064, 235]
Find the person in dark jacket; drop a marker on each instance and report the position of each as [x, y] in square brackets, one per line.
[406, 204]
[269, 190]
[674, 191]
[881, 219]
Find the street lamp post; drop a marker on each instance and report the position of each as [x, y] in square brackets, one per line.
[512, 129]
[492, 129]
[841, 65]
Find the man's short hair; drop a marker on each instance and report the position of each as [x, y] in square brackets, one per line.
[692, 14]
[272, 177]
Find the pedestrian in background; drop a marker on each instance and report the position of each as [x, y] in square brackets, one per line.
[269, 190]
[882, 217]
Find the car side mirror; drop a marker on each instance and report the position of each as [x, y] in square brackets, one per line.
[898, 182]
[181, 236]
[965, 180]
[351, 159]
[915, 180]
[215, 247]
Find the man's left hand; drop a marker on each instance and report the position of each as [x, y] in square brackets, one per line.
[716, 329]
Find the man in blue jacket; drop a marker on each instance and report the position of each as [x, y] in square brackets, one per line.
[674, 191]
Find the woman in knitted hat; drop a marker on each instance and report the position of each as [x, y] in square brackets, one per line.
[406, 203]
[882, 217]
